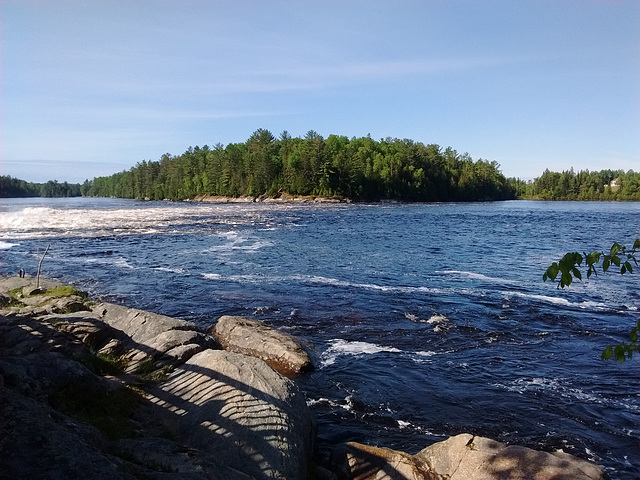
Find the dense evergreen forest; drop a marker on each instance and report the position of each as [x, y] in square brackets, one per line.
[584, 185]
[356, 168]
[13, 187]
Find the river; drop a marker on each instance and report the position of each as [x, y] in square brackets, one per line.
[424, 320]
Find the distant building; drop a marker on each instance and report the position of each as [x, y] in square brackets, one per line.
[614, 185]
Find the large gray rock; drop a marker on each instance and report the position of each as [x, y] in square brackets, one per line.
[249, 417]
[252, 337]
[142, 327]
[462, 457]
[466, 456]
[151, 337]
[85, 326]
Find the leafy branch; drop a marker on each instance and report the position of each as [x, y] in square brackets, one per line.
[618, 256]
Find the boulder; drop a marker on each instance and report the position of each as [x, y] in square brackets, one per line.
[462, 457]
[85, 326]
[252, 337]
[355, 461]
[142, 327]
[250, 418]
[167, 348]
[467, 456]
[70, 304]
[152, 337]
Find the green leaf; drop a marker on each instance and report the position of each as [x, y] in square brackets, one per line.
[576, 273]
[607, 353]
[566, 279]
[552, 271]
[615, 260]
[606, 263]
[634, 334]
[618, 353]
[615, 248]
[629, 267]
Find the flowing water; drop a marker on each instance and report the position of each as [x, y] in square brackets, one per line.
[424, 320]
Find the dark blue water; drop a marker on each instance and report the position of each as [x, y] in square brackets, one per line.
[424, 320]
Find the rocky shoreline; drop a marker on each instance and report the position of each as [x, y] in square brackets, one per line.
[282, 197]
[97, 390]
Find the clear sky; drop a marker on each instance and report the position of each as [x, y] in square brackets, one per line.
[90, 88]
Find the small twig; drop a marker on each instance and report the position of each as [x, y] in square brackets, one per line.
[39, 265]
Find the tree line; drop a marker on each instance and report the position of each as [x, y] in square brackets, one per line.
[583, 185]
[354, 168]
[14, 187]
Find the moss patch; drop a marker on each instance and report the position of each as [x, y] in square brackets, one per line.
[64, 291]
[15, 293]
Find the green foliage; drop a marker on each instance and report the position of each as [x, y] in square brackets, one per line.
[63, 291]
[13, 187]
[356, 168]
[618, 256]
[584, 185]
[101, 364]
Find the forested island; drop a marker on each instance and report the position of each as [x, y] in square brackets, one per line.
[360, 169]
[356, 168]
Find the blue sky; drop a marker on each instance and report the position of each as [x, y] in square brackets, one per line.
[90, 88]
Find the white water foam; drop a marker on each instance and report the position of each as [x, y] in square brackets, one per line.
[563, 388]
[7, 245]
[557, 300]
[314, 279]
[344, 347]
[234, 241]
[170, 270]
[476, 276]
[35, 222]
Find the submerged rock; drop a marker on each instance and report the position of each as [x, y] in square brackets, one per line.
[252, 337]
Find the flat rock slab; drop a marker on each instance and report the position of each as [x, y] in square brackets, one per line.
[249, 417]
[252, 337]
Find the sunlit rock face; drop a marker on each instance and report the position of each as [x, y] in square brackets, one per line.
[254, 338]
[248, 416]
